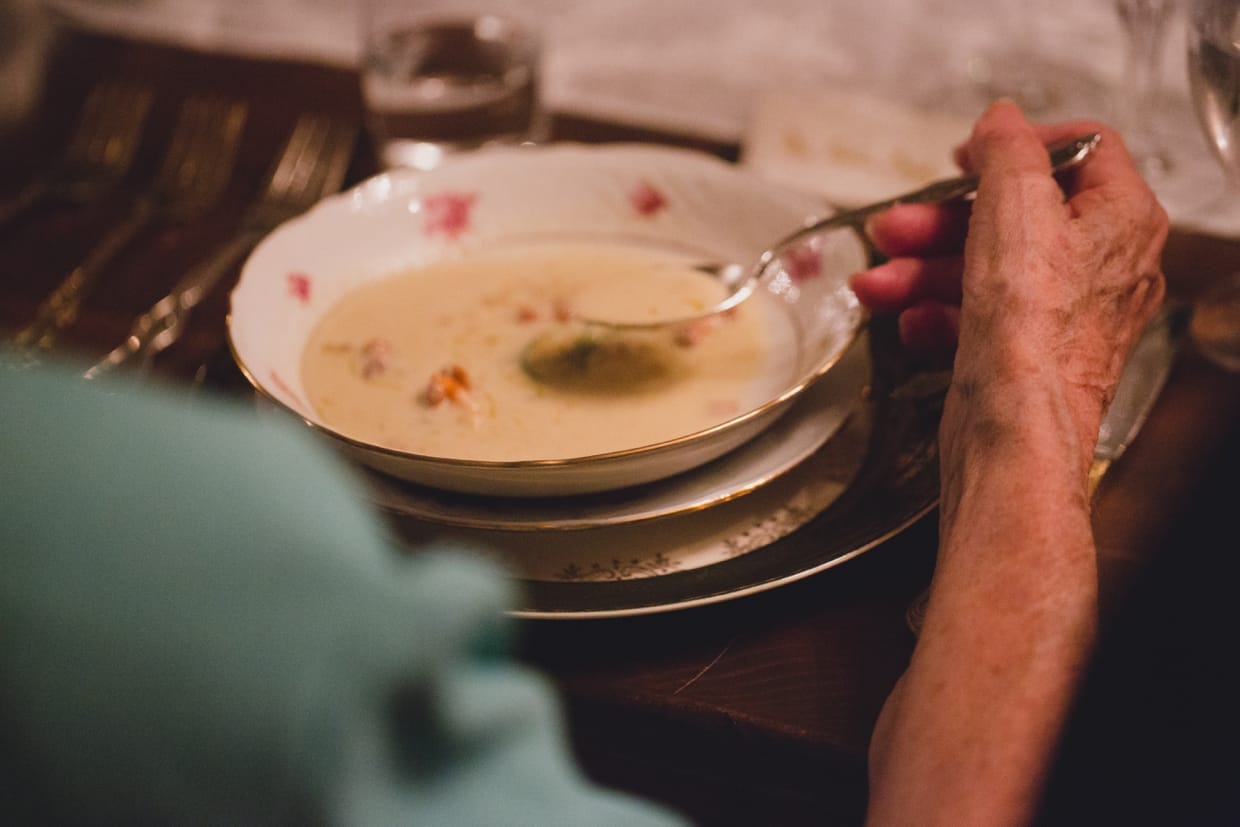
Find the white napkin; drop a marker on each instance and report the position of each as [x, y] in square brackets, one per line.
[854, 148]
[851, 148]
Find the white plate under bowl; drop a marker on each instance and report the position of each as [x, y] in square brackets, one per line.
[647, 196]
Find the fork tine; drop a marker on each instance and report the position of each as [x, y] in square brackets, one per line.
[333, 163]
[189, 122]
[225, 142]
[299, 151]
[109, 124]
[189, 171]
[313, 163]
[92, 123]
[202, 151]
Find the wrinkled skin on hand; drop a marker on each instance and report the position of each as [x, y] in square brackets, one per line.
[1035, 282]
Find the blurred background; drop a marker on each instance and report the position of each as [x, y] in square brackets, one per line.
[700, 62]
[24, 37]
[774, 77]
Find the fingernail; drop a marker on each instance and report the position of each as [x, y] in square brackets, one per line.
[869, 226]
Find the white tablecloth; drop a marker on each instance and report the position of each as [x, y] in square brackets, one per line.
[898, 75]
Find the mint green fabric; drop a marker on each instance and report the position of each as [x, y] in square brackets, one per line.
[202, 622]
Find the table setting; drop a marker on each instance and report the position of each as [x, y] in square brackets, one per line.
[724, 604]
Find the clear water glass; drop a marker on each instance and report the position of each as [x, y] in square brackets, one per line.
[1145, 24]
[444, 76]
[1214, 80]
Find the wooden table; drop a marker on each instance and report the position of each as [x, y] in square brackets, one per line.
[757, 710]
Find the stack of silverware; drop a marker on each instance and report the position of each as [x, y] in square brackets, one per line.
[198, 162]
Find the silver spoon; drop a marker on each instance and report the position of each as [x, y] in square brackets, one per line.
[1062, 156]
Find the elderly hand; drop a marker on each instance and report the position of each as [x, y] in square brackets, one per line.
[1034, 278]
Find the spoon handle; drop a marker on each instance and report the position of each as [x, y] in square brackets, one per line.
[1062, 157]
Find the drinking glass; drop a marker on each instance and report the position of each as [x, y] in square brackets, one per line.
[443, 76]
[1214, 79]
[1145, 24]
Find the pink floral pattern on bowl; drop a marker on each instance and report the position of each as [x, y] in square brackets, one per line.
[448, 214]
[299, 285]
[647, 199]
[802, 262]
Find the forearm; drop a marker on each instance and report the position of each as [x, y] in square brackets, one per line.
[966, 736]
[1057, 278]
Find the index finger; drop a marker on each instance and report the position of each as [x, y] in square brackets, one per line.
[1004, 142]
[1013, 166]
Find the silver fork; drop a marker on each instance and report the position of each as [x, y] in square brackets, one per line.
[99, 153]
[194, 172]
[313, 164]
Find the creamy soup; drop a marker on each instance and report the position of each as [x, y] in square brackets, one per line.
[438, 360]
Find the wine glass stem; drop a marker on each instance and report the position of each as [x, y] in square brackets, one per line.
[1145, 27]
